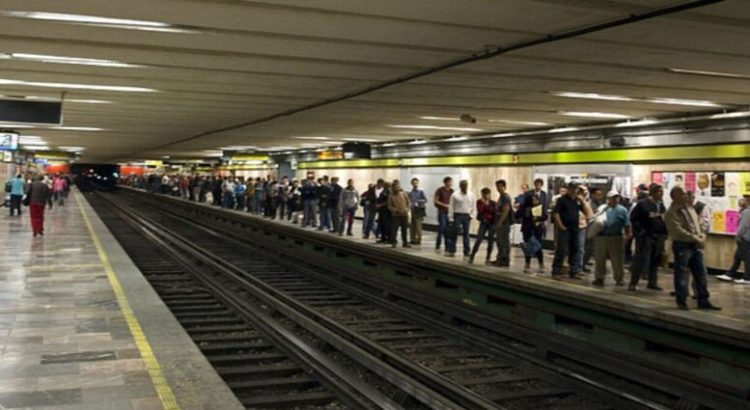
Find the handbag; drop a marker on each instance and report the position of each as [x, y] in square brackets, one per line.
[26, 200]
[418, 212]
[531, 247]
[451, 230]
[598, 222]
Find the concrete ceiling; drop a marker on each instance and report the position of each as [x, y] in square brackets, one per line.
[219, 63]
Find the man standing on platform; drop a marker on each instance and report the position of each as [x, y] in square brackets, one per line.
[418, 201]
[742, 252]
[334, 204]
[688, 242]
[16, 186]
[566, 220]
[610, 242]
[309, 197]
[398, 205]
[442, 203]
[503, 221]
[461, 208]
[650, 233]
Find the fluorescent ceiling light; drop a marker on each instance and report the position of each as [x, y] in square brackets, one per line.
[361, 139]
[417, 142]
[590, 96]
[433, 127]
[737, 114]
[388, 144]
[78, 128]
[67, 60]
[71, 86]
[433, 118]
[77, 101]
[10, 125]
[35, 148]
[128, 24]
[531, 123]
[586, 114]
[72, 149]
[652, 100]
[638, 123]
[708, 73]
[311, 138]
[461, 138]
[32, 142]
[564, 129]
[505, 134]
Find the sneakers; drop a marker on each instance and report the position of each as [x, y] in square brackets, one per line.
[527, 269]
[598, 283]
[725, 278]
[742, 281]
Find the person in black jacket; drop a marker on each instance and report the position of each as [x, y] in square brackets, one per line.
[333, 204]
[384, 215]
[324, 202]
[650, 231]
[367, 201]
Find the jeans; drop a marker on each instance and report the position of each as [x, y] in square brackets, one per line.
[688, 256]
[347, 219]
[368, 221]
[384, 223]
[442, 223]
[228, 200]
[485, 229]
[581, 250]
[240, 201]
[540, 253]
[741, 255]
[648, 252]
[503, 243]
[415, 229]
[462, 222]
[399, 221]
[308, 212]
[336, 218]
[281, 208]
[15, 203]
[325, 218]
[567, 246]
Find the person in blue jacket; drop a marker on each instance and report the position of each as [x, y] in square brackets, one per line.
[16, 186]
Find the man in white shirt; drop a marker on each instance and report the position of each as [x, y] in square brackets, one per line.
[460, 211]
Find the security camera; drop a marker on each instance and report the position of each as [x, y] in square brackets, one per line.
[468, 118]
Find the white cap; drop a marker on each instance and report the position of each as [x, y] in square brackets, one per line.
[612, 194]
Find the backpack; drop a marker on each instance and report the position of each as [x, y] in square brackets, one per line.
[8, 186]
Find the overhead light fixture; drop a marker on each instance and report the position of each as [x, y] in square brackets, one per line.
[72, 86]
[72, 149]
[436, 128]
[590, 96]
[651, 100]
[461, 138]
[513, 122]
[709, 73]
[42, 58]
[311, 138]
[563, 129]
[388, 144]
[78, 128]
[505, 134]
[79, 101]
[433, 118]
[128, 24]
[638, 123]
[24, 141]
[11, 125]
[418, 142]
[360, 139]
[35, 147]
[587, 114]
[736, 114]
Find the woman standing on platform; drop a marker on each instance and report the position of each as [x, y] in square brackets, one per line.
[486, 211]
[38, 193]
[532, 214]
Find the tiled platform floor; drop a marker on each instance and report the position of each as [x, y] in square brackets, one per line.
[64, 340]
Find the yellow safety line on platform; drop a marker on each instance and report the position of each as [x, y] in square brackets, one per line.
[166, 396]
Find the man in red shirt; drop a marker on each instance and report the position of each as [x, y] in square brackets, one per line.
[442, 203]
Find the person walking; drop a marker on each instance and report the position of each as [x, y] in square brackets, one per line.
[461, 208]
[596, 200]
[348, 203]
[442, 203]
[418, 201]
[532, 214]
[38, 193]
[688, 242]
[610, 242]
[398, 207]
[650, 233]
[486, 214]
[58, 189]
[566, 210]
[742, 251]
[503, 221]
[16, 189]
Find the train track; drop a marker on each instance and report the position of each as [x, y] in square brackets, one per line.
[402, 352]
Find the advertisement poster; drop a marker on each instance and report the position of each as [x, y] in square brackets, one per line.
[718, 221]
[732, 183]
[690, 181]
[657, 178]
[732, 222]
[703, 184]
[717, 184]
[745, 183]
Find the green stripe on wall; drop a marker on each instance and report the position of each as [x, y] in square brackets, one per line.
[695, 152]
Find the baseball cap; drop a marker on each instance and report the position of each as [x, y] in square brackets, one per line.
[612, 194]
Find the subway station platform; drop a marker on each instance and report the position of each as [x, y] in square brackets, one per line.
[80, 328]
[734, 299]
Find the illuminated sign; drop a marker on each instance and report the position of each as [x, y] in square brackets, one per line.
[8, 141]
[326, 155]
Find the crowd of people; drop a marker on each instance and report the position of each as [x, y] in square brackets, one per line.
[588, 223]
[38, 192]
